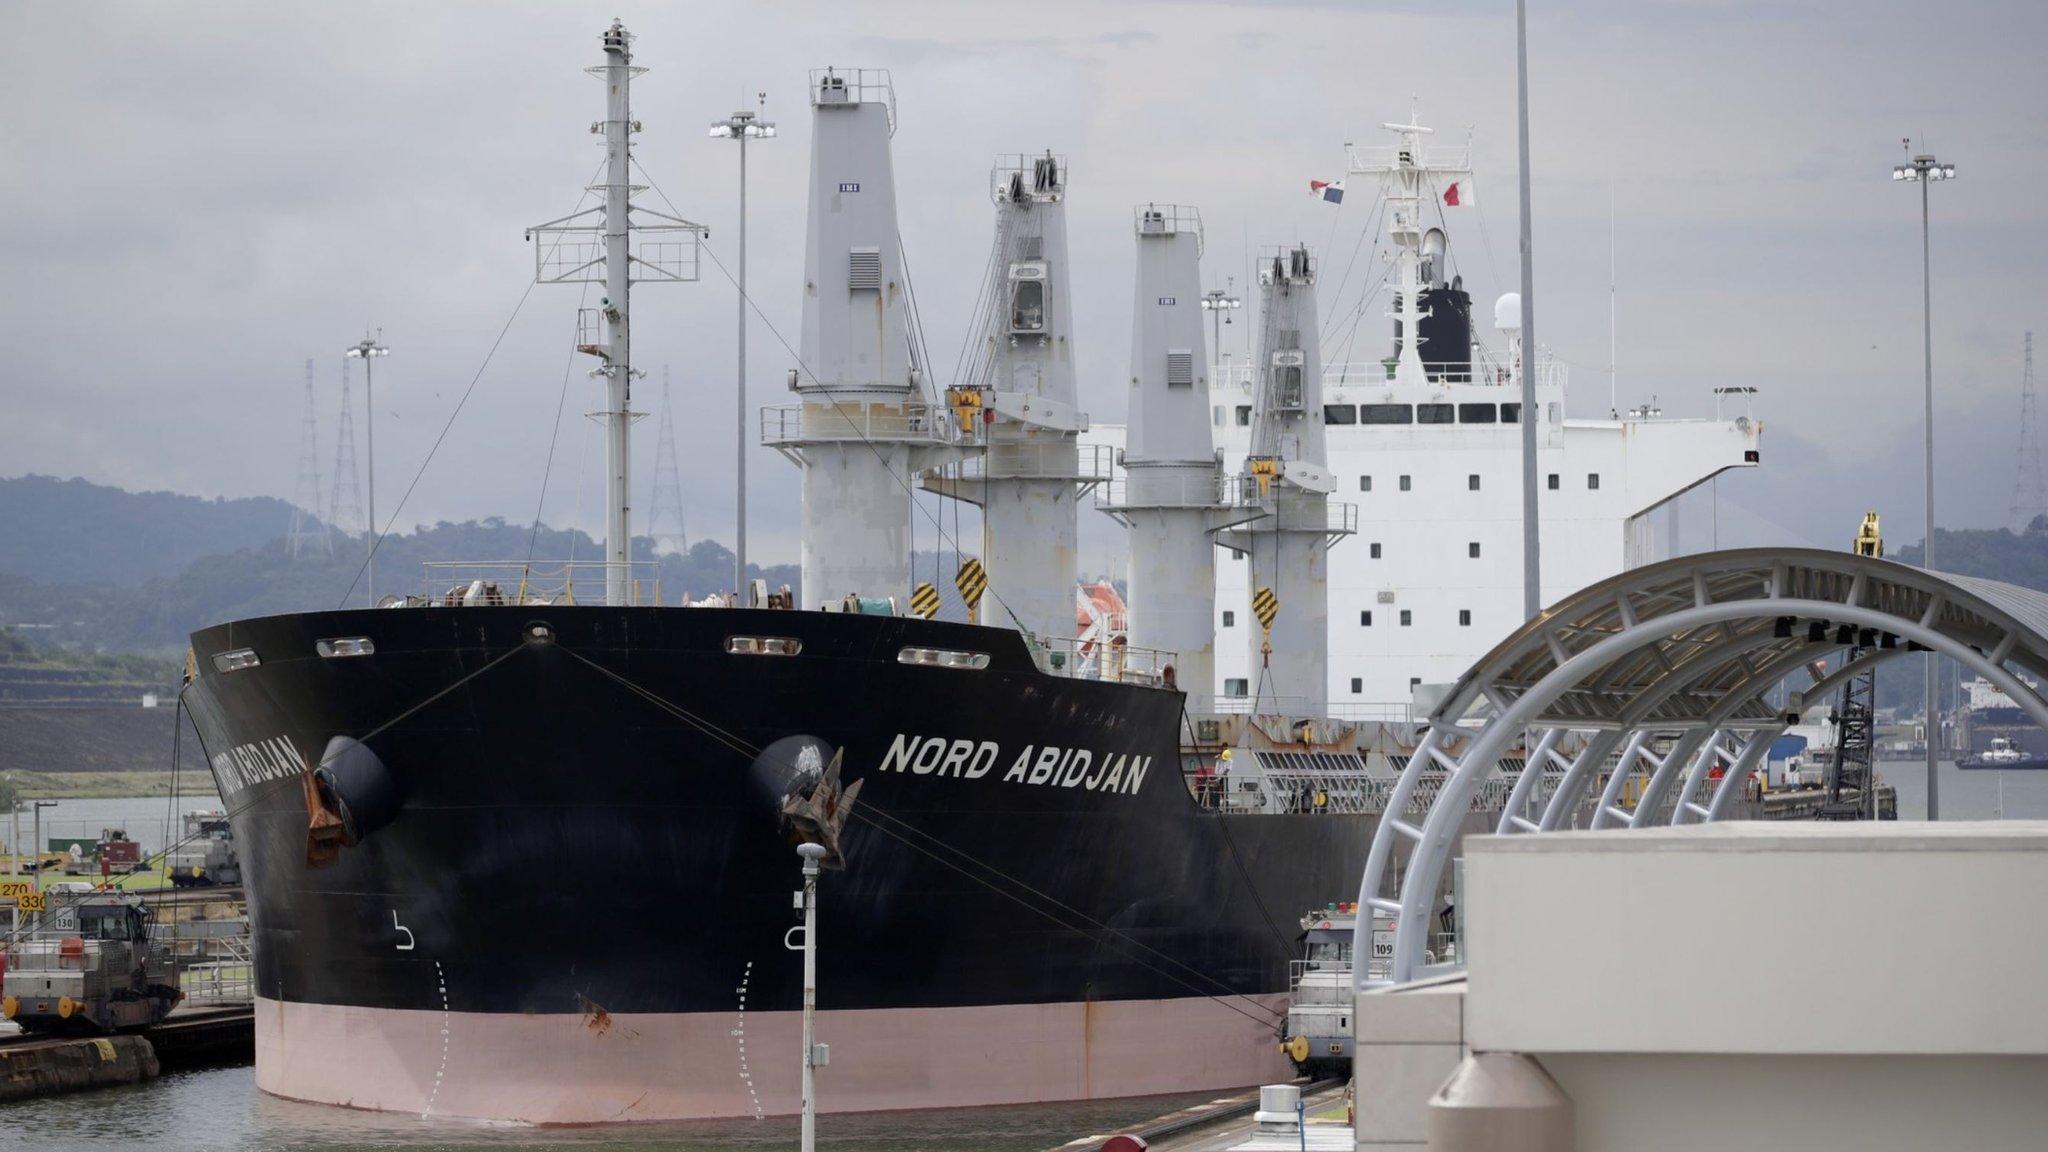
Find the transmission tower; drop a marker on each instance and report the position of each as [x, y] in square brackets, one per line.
[308, 534]
[345, 510]
[2029, 494]
[665, 522]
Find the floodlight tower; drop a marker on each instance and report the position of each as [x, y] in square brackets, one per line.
[1219, 303]
[369, 351]
[1924, 170]
[742, 126]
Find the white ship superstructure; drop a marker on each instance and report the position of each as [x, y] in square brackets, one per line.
[1426, 444]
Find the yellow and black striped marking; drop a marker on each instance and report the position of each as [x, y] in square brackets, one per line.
[924, 600]
[972, 582]
[1265, 606]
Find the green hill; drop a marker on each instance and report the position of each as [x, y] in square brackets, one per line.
[73, 531]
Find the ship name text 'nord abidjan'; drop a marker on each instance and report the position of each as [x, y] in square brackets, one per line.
[515, 856]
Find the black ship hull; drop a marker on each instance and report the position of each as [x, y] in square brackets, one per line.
[577, 908]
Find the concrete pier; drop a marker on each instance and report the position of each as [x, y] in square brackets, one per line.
[34, 1068]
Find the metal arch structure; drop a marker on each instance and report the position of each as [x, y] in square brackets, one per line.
[1681, 654]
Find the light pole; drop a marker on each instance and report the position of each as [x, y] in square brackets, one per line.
[1532, 562]
[1218, 302]
[36, 848]
[742, 126]
[368, 350]
[1925, 170]
[814, 1053]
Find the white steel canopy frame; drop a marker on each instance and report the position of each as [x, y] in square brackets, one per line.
[1681, 653]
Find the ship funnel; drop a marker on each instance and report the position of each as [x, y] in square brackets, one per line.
[859, 423]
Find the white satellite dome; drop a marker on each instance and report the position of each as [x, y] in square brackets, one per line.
[1507, 312]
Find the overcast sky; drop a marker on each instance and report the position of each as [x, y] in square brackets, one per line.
[199, 197]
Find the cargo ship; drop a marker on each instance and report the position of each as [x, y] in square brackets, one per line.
[513, 851]
[517, 856]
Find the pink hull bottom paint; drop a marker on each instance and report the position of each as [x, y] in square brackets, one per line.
[597, 1068]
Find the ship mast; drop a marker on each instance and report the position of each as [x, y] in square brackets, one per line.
[617, 310]
[1408, 171]
[595, 247]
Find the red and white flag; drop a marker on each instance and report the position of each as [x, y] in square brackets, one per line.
[1458, 194]
[1327, 190]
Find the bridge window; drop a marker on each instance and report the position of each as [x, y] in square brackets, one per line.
[1407, 618]
[1404, 484]
[1365, 619]
[1244, 415]
[1436, 414]
[1553, 482]
[1340, 414]
[1464, 617]
[1229, 618]
[1357, 686]
[1386, 414]
[1472, 550]
[1472, 482]
[1365, 483]
[1476, 413]
[1511, 413]
[1593, 480]
[1375, 550]
[1236, 686]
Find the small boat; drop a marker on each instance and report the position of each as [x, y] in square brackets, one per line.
[2005, 755]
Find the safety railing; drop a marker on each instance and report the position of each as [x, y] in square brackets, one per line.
[1331, 986]
[1088, 463]
[1272, 705]
[493, 583]
[854, 86]
[1294, 509]
[1168, 220]
[1550, 372]
[1181, 489]
[1379, 157]
[1094, 659]
[1028, 167]
[1250, 788]
[789, 425]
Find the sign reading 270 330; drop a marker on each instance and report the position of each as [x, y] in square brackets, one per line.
[849, 187]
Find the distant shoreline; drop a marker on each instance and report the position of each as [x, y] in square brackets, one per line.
[113, 785]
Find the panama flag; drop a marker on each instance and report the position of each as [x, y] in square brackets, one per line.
[1324, 190]
[1458, 194]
